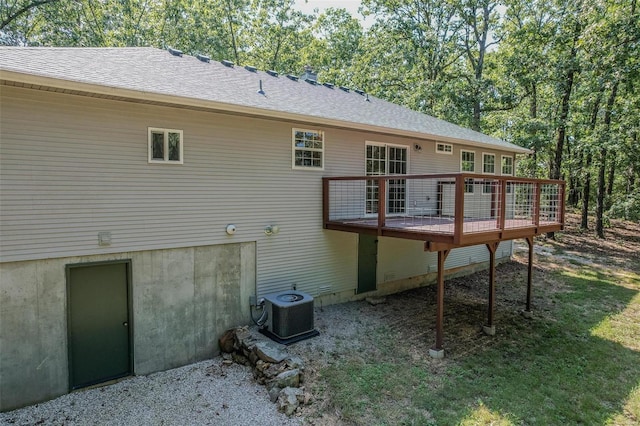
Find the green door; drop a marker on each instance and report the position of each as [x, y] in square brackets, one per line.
[367, 262]
[99, 331]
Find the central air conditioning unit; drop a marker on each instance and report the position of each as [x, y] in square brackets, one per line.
[289, 316]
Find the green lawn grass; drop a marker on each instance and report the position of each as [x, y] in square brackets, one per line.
[576, 363]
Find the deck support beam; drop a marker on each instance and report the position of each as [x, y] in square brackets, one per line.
[527, 313]
[438, 351]
[490, 328]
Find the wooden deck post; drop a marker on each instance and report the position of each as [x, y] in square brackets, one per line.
[382, 204]
[527, 312]
[490, 328]
[438, 351]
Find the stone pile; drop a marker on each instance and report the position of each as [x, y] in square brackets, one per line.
[272, 366]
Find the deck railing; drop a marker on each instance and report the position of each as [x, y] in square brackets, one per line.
[459, 208]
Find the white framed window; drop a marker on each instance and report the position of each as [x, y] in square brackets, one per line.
[386, 159]
[467, 161]
[488, 163]
[444, 148]
[165, 146]
[468, 186]
[487, 187]
[308, 149]
[507, 165]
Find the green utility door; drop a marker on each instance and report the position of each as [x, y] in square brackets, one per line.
[99, 323]
[367, 262]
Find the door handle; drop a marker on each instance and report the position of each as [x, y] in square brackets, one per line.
[125, 324]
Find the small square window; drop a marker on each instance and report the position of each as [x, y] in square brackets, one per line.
[487, 187]
[165, 146]
[444, 148]
[489, 163]
[507, 165]
[308, 149]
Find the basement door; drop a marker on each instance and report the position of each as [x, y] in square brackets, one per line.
[98, 298]
[367, 262]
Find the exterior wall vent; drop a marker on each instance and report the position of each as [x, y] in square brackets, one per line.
[292, 77]
[272, 73]
[250, 68]
[289, 316]
[227, 63]
[203, 58]
[344, 89]
[329, 85]
[359, 92]
[175, 52]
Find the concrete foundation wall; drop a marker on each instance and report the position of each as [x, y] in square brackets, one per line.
[183, 299]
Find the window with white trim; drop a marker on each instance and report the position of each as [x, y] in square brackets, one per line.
[468, 186]
[487, 187]
[507, 165]
[444, 148]
[165, 146]
[308, 149]
[467, 161]
[488, 163]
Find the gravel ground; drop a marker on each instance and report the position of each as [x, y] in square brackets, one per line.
[206, 393]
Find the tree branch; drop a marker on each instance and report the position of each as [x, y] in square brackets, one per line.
[24, 10]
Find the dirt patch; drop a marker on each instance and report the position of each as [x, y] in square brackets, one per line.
[348, 331]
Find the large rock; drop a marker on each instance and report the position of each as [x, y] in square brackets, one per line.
[270, 352]
[228, 342]
[286, 379]
[289, 400]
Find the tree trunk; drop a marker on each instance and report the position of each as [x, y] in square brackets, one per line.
[232, 32]
[612, 172]
[603, 162]
[586, 194]
[555, 172]
[586, 189]
[574, 192]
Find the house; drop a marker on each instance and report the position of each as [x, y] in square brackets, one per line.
[146, 195]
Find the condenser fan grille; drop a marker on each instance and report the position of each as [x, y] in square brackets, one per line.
[289, 297]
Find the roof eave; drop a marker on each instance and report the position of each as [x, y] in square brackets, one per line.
[72, 85]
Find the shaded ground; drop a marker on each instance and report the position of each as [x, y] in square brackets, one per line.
[369, 345]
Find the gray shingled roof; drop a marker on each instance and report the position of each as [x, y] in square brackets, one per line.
[155, 71]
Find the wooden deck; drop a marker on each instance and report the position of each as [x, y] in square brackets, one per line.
[447, 211]
[498, 214]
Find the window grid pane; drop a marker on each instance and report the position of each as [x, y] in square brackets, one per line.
[157, 146]
[489, 163]
[308, 148]
[468, 161]
[174, 146]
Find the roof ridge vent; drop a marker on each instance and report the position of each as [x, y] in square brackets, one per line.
[292, 77]
[250, 68]
[203, 58]
[175, 52]
[311, 81]
[359, 92]
[329, 85]
[272, 73]
[227, 63]
[344, 89]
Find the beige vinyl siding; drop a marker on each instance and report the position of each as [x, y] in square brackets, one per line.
[73, 166]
